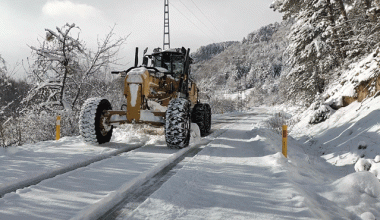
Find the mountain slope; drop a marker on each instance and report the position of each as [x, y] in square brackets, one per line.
[256, 62]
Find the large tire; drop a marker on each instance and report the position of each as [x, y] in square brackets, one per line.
[91, 125]
[208, 118]
[178, 122]
[199, 116]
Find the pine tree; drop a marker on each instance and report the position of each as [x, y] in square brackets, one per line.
[314, 47]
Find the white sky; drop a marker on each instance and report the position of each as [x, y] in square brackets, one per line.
[193, 23]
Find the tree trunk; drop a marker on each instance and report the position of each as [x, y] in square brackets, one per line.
[342, 9]
[65, 65]
[367, 4]
[337, 44]
[63, 86]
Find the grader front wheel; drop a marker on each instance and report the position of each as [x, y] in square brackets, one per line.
[178, 121]
[93, 126]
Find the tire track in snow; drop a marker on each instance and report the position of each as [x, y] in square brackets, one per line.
[218, 129]
[109, 204]
[140, 194]
[12, 187]
[134, 199]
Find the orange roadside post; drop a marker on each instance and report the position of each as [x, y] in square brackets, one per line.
[58, 128]
[285, 140]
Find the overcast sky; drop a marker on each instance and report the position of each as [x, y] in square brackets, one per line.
[193, 23]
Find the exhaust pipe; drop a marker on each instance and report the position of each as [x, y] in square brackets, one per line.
[137, 57]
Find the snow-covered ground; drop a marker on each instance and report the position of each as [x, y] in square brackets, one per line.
[235, 96]
[239, 174]
[242, 175]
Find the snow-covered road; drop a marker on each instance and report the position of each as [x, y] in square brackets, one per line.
[58, 179]
[238, 174]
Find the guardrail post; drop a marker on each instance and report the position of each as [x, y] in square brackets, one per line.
[58, 128]
[285, 140]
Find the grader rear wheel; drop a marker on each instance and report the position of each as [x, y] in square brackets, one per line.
[201, 115]
[208, 118]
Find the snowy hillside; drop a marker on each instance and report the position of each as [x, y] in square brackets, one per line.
[205, 53]
[256, 62]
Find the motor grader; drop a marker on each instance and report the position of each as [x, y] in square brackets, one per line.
[158, 92]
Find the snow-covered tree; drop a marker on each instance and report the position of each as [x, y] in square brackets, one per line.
[207, 52]
[12, 92]
[313, 50]
[3, 68]
[360, 29]
[64, 73]
[64, 69]
[326, 36]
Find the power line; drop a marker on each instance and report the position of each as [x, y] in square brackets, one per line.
[192, 22]
[207, 17]
[199, 19]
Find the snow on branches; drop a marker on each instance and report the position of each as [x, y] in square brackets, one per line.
[63, 67]
[326, 36]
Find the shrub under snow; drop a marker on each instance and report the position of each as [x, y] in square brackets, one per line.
[320, 114]
[370, 165]
[362, 165]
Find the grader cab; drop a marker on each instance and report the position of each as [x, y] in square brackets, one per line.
[158, 92]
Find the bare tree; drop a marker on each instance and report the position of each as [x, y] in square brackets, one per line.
[63, 66]
[106, 54]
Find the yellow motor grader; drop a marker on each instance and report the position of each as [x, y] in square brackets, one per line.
[158, 92]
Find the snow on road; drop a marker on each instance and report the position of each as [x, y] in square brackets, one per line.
[242, 175]
[64, 195]
[239, 174]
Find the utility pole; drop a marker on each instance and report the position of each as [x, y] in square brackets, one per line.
[166, 26]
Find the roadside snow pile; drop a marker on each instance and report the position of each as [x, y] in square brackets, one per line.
[367, 216]
[358, 193]
[350, 133]
[362, 165]
[347, 139]
[370, 165]
[195, 134]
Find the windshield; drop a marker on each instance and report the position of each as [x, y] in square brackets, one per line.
[157, 60]
[173, 63]
[177, 63]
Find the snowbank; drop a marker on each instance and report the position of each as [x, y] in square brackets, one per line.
[358, 192]
[339, 139]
